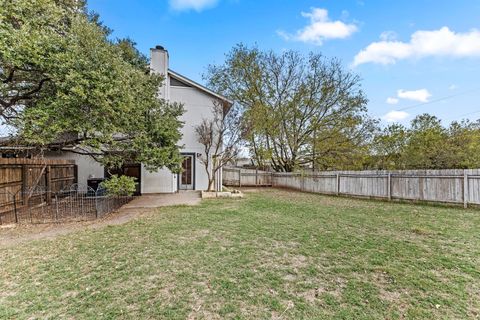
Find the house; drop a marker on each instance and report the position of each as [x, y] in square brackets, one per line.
[242, 162]
[198, 102]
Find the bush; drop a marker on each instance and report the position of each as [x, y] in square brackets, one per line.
[119, 185]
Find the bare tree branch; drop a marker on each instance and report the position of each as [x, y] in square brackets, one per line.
[220, 136]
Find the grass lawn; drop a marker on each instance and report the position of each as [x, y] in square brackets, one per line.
[273, 255]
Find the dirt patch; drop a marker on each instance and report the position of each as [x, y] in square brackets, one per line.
[383, 280]
[334, 288]
[147, 204]
[290, 277]
[297, 261]
[194, 235]
[17, 234]
[420, 231]
[313, 295]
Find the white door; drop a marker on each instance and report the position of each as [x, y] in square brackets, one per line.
[187, 175]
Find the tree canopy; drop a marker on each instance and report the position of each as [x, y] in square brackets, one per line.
[427, 144]
[64, 84]
[298, 110]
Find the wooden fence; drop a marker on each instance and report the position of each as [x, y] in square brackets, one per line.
[246, 177]
[446, 186]
[19, 175]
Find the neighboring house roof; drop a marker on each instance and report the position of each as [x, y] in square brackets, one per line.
[9, 144]
[4, 140]
[194, 84]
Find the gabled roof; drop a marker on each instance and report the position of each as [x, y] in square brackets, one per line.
[194, 84]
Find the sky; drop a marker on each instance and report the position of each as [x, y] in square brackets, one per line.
[413, 56]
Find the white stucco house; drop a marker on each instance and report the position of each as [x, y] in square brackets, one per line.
[198, 102]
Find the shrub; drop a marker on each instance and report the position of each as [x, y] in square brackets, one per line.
[119, 185]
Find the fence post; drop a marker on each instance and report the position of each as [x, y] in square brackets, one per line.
[256, 177]
[96, 205]
[239, 178]
[48, 182]
[24, 185]
[465, 189]
[56, 207]
[271, 179]
[75, 173]
[15, 208]
[338, 184]
[389, 186]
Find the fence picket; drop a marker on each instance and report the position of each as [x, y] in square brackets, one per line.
[447, 186]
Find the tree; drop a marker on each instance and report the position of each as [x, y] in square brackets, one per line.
[464, 140]
[388, 147]
[220, 137]
[32, 34]
[342, 147]
[427, 146]
[65, 85]
[297, 109]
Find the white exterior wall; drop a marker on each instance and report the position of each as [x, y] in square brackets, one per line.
[198, 106]
[159, 61]
[161, 181]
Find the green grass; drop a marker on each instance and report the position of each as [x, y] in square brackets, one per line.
[275, 254]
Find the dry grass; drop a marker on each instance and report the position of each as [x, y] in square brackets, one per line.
[273, 255]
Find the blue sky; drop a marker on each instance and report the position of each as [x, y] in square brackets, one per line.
[413, 56]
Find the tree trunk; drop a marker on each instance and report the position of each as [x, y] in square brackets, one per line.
[211, 185]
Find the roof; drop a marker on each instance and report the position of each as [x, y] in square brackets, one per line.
[9, 143]
[198, 86]
[5, 139]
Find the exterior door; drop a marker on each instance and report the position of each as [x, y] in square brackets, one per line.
[187, 175]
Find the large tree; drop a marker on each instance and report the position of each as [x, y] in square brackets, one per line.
[297, 110]
[65, 85]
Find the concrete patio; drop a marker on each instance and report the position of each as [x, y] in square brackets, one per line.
[148, 201]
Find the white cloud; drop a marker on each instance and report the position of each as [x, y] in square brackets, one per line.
[197, 5]
[420, 95]
[442, 42]
[391, 100]
[321, 28]
[388, 36]
[394, 116]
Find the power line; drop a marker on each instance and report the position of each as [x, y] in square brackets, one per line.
[463, 115]
[439, 99]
